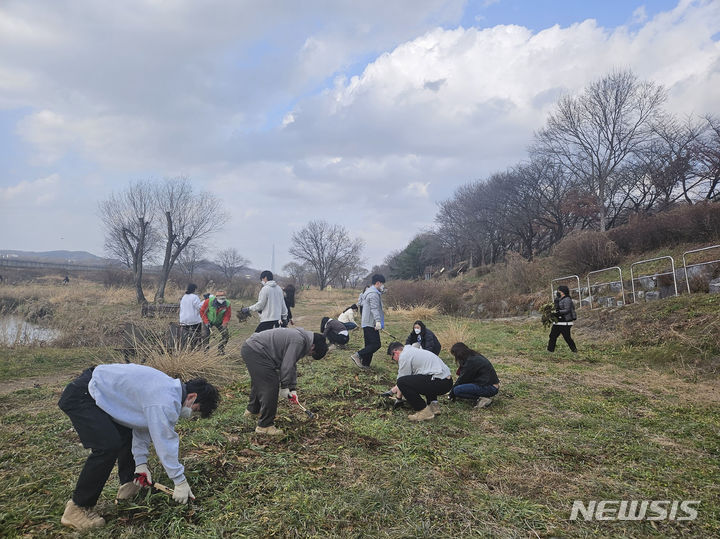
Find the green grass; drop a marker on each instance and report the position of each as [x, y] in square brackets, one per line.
[618, 421]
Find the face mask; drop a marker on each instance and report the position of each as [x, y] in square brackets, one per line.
[417, 331]
[186, 412]
[221, 301]
[382, 288]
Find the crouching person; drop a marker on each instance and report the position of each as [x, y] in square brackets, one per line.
[420, 373]
[335, 331]
[476, 376]
[118, 411]
[271, 358]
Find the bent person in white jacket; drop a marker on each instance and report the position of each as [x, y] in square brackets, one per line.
[118, 410]
[270, 304]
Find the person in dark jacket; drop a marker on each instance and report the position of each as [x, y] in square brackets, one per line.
[565, 310]
[426, 338]
[335, 331]
[477, 378]
[289, 294]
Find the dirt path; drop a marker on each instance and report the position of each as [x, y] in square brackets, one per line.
[10, 386]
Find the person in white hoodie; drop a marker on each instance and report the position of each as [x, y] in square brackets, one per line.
[270, 304]
[118, 410]
[190, 320]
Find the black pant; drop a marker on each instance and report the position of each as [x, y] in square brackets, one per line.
[414, 386]
[270, 324]
[555, 332]
[190, 336]
[224, 337]
[337, 338]
[372, 345]
[108, 440]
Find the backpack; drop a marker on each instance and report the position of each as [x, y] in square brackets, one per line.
[573, 316]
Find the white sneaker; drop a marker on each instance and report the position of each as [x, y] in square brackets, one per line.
[248, 413]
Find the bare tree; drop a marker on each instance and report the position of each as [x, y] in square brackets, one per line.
[189, 218]
[594, 134]
[328, 249]
[231, 262]
[297, 272]
[189, 260]
[127, 217]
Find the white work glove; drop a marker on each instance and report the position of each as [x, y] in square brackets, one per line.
[378, 326]
[142, 469]
[182, 492]
[284, 394]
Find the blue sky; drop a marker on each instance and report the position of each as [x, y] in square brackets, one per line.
[542, 14]
[365, 114]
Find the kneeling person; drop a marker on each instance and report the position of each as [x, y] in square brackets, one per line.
[118, 411]
[420, 373]
[476, 376]
[271, 359]
[335, 331]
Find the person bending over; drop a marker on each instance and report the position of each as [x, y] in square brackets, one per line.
[420, 373]
[476, 376]
[118, 410]
[348, 317]
[335, 331]
[271, 359]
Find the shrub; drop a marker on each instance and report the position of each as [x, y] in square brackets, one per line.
[449, 297]
[585, 250]
[687, 223]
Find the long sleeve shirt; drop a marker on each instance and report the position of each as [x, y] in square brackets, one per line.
[418, 361]
[271, 303]
[477, 370]
[283, 347]
[190, 310]
[147, 401]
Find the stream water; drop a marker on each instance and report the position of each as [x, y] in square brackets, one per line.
[14, 330]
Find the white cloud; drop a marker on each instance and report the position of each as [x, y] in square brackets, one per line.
[237, 97]
[39, 192]
[417, 189]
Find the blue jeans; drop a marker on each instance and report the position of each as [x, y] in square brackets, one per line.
[473, 391]
[350, 325]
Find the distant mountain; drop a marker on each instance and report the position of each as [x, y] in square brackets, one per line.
[60, 257]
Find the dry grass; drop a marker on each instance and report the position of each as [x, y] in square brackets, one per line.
[188, 364]
[417, 312]
[455, 330]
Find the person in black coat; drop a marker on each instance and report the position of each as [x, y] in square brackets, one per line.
[565, 310]
[289, 297]
[477, 378]
[426, 338]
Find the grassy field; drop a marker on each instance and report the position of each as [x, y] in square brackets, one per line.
[634, 416]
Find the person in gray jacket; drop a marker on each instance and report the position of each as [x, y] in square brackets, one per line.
[270, 304]
[420, 373]
[118, 410]
[372, 321]
[271, 359]
[566, 316]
